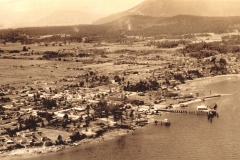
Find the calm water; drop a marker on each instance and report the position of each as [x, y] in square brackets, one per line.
[188, 137]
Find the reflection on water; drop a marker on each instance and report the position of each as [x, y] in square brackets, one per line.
[121, 142]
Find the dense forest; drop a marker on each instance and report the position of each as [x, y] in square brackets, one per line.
[72, 33]
[203, 49]
[168, 44]
[132, 26]
[184, 24]
[79, 30]
[231, 39]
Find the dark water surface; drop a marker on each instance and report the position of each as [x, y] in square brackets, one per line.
[189, 136]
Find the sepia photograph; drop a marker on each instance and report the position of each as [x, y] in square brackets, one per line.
[119, 79]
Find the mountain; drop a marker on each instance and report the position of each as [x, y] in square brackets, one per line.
[169, 8]
[139, 25]
[20, 19]
[176, 25]
[61, 17]
[40, 17]
[134, 22]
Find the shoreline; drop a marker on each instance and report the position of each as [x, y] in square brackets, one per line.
[37, 151]
[110, 134]
[209, 80]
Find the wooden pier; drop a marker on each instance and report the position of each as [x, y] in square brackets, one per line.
[186, 111]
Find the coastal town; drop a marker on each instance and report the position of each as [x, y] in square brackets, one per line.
[119, 80]
[83, 90]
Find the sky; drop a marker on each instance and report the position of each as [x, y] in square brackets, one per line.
[16, 13]
[95, 6]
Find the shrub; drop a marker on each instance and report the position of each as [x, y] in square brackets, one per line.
[14, 51]
[24, 49]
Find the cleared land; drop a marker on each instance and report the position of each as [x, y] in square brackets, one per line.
[133, 73]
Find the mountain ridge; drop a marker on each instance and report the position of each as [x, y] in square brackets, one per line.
[48, 18]
[138, 25]
[169, 8]
[65, 17]
[180, 24]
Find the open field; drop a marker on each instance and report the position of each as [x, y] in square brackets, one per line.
[26, 70]
[70, 89]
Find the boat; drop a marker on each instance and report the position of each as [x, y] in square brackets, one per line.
[204, 110]
[166, 122]
[183, 105]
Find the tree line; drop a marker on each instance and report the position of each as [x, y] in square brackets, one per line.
[203, 49]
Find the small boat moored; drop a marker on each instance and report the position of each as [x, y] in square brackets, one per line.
[166, 122]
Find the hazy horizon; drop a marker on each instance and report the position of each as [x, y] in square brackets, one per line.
[33, 13]
[15, 13]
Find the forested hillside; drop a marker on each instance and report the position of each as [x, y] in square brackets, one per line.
[134, 26]
[182, 24]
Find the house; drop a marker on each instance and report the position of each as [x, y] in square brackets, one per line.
[9, 142]
[115, 99]
[68, 141]
[3, 132]
[43, 139]
[47, 143]
[27, 134]
[22, 141]
[37, 143]
[143, 108]
[2, 139]
[79, 109]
